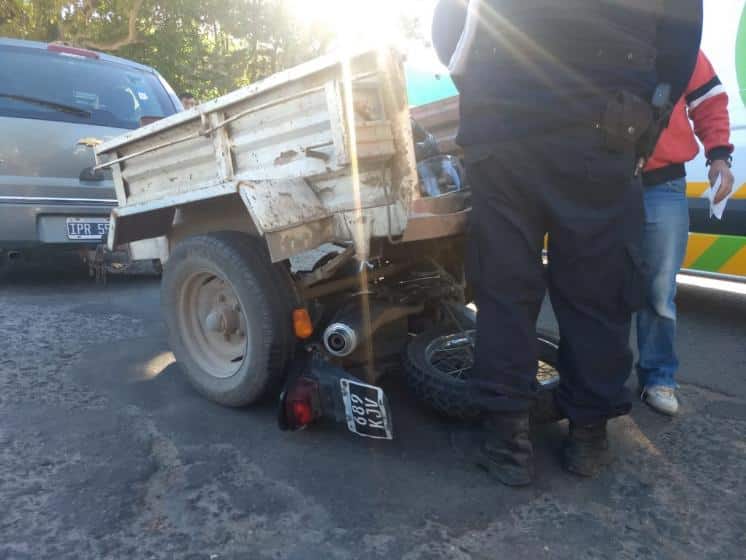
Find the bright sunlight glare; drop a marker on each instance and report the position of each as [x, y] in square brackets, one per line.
[362, 22]
[355, 24]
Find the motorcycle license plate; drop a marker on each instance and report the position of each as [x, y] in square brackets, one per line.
[366, 410]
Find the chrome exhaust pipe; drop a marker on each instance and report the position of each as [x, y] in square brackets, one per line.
[347, 332]
[340, 339]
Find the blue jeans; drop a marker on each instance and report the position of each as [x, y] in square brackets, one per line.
[432, 170]
[664, 247]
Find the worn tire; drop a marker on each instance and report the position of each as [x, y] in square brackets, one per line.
[447, 395]
[266, 307]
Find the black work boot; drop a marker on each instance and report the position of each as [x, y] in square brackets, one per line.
[545, 409]
[506, 453]
[586, 450]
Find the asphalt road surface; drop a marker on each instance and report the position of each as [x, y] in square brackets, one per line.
[106, 452]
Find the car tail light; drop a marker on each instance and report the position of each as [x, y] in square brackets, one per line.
[76, 51]
[301, 404]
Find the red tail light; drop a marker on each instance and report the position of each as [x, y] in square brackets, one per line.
[302, 404]
[66, 49]
[302, 412]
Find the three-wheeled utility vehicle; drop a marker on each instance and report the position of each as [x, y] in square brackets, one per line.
[302, 255]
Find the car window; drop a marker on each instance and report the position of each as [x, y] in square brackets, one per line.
[106, 93]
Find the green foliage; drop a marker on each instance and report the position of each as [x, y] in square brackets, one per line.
[206, 47]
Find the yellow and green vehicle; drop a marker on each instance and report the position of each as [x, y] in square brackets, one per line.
[719, 247]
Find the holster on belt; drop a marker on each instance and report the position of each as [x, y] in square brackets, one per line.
[624, 121]
[662, 107]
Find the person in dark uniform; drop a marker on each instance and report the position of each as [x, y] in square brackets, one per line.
[554, 97]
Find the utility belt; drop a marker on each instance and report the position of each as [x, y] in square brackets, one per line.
[629, 122]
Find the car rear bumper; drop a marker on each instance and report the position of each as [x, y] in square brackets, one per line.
[27, 222]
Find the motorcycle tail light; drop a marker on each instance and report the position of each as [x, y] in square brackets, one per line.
[302, 404]
[302, 413]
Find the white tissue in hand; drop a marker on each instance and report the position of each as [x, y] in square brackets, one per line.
[717, 209]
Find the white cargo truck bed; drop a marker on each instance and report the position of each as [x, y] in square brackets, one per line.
[322, 152]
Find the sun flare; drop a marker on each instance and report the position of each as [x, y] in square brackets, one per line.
[360, 22]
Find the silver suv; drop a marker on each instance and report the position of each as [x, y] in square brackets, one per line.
[56, 103]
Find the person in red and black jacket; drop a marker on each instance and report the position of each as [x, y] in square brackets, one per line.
[705, 104]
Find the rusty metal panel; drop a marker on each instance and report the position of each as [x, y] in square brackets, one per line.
[173, 169]
[178, 199]
[289, 140]
[277, 205]
[290, 242]
[338, 193]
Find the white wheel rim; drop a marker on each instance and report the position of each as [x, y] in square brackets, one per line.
[212, 324]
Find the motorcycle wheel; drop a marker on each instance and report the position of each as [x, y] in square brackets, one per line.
[437, 363]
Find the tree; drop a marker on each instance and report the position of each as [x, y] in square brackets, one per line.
[207, 47]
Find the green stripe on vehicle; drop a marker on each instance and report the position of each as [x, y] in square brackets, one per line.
[719, 253]
[741, 55]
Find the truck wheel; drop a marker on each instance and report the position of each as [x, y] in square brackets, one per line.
[437, 362]
[228, 312]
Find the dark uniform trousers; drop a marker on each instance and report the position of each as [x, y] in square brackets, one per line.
[566, 184]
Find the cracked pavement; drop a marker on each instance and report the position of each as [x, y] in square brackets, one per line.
[106, 452]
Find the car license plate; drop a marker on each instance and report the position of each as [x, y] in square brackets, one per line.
[366, 410]
[89, 229]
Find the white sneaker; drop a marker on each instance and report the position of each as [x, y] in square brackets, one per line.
[661, 398]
